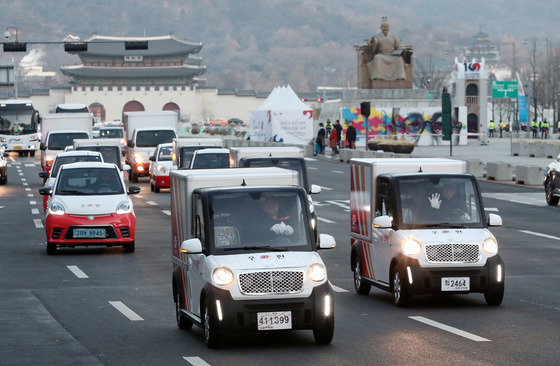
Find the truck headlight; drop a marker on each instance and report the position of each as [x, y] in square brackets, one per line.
[317, 272]
[138, 158]
[162, 169]
[124, 207]
[490, 245]
[411, 247]
[222, 276]
[56, 209]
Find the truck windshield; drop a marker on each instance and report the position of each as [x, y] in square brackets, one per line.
[58, 141]
[154, 138]
[111, 133]
[186, 153]
[259, 220]
[435, 201]
[285, 163]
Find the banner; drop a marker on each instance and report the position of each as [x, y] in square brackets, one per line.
[469, 70]
[292, 127]
[523, 111]
[260, 126]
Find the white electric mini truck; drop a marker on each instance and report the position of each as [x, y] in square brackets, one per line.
[418, 226]
[244, 255]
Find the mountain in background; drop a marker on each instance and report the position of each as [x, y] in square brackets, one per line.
[256, 44]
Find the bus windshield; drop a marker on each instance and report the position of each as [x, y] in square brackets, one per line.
[18, 118]
[71, 108]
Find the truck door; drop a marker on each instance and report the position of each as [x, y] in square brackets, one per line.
[196, 261]
[382, 253]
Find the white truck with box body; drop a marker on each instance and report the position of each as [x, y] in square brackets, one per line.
[108, 147]
[184, 148]
[244, 256]
[144, 132]
[282, 157]
[418, 226]
[59, 130]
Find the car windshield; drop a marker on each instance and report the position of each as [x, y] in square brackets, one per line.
[58, 141]
[154, 138]
[186, 153]
[111, 133]
[111, 154]
[62, 160]
[285, 163]
[211, 161]
[257, 221]
[432, 202]
[165, 154]
[89, 181]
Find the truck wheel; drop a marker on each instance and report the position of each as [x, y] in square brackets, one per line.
[129, 248]
[32, 153]
[360, 286]
[401, 296]
[134, 178]
[51, 249]
[211, 337]
[182, 321]
[324, 335]
[494, 298]
[549, 190]
[156, 188]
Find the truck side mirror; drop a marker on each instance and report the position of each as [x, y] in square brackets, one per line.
[130, 143]
[382, 222]
[152, 158]
[133, 190]
[42, 146]
[494, 220]
[125, 167]
[315, 189]
[326, 242]
[192, 246]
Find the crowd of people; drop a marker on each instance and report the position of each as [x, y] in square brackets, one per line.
[334, 135]
[538, 129]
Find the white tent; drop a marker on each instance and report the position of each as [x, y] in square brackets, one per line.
[283, 117]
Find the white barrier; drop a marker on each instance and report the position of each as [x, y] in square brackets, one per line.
[499, 171]
[529, 175]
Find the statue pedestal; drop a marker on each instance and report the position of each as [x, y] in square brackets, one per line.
[381, 94]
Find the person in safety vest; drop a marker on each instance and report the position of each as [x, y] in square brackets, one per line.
[534, 129]
[491, 129]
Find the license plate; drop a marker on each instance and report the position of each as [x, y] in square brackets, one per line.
[17, 147]
[455, 284]
[274, 320]
[89, 233]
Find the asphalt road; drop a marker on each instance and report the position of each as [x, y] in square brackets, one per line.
[100, 306]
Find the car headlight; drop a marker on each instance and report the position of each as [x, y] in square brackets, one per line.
[317, 272]
[411, 247]
[490, 245]
[56, 209]
[49, 160]
[138, 158]
[124, 207]
[222, 276]
[162, 169]
[3, 139]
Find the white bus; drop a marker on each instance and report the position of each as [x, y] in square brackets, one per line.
[71, 108]
[18, 126]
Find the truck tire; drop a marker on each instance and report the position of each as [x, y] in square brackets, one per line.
[32, 153]
[494, 298]
[156, 188]
[401, 297]
[151, 186]
[549, 190]
[134, 178]
[211, 337]
[360, 286]
[129, 248]
[324, 335]
[182, 321]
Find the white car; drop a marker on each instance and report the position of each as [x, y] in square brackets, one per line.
[212, 158]
[89, 206]
[161, 164]
[3, 166]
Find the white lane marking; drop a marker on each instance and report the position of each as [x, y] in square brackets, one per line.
[339, 204]
[2, 206]
[27, 164]
[152, 203]
[34, 211]
[138, 196]
[32, 202]
[23, 179]
[25, 184]
[337, 172]
[542, 305]
[167, 212]
[447, 328]
[27, 189]
[20, 173]
[533, 199]
[540, 234]
[125, 310]
[325, 220]
[77, 272]
[196, 361]
[30, 195]
[311, 168]
[338, 289]
[38, 223]
[326, 188]
[492, 209]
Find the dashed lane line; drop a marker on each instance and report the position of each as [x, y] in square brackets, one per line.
[325, 220]
[125, 310]
[338, 289]
[38, 223]
[196, 361]
[77, 272]
[539, 234]
[151, 203]
[34, 211]
[167, 212]
[447, 328]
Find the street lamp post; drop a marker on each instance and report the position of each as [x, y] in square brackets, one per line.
[7, 32]
[547, 83]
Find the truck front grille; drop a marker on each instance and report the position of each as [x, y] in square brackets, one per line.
[452, 253]
[271, 282]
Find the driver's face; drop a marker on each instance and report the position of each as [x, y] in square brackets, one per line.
[270, 207]
[448, 192]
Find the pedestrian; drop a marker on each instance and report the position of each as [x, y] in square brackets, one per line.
[559, 129]
[333, 142]
[328, 127]
[544, 129]
[491, 128]
[502, 128]
[534, 129]
[338, 127]
[320, 140]
[351, 135]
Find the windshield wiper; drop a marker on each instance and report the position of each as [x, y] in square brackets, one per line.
[256, 247]
[73, 192]
[446, 225]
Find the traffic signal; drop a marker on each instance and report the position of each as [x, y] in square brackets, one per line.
[446, 116]
[365, 109]
[75, 47]
[136, 45]
[15, 47]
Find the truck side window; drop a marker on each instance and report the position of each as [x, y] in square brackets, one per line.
[198, 220]
[384, 204]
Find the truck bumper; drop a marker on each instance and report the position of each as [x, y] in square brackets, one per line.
[428, 280]
[241, 316]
